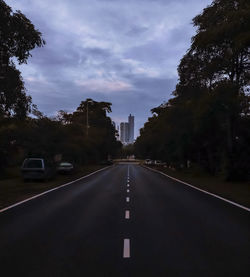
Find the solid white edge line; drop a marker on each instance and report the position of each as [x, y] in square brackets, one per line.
[207, 192]
[47, 191]
[126, 248]
[127, 214]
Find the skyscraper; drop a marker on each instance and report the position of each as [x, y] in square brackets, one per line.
[124, 136]
[127, 130]
[131, 128]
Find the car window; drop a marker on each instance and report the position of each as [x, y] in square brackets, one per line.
[33, 164]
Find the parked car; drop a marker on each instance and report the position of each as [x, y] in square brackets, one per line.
[65, 168]
[148, 162]
[37, 169]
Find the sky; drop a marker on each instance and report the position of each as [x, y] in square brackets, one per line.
[121, 51]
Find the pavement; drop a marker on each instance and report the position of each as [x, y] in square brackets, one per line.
[125, 221]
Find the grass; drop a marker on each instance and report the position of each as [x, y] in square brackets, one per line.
[238, 192]
[13, 189]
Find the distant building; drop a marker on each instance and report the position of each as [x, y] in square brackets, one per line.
[131, 124]
[127, 131]
[124, 136]
[118, 132]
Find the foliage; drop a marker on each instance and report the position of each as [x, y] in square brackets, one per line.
[206, 120]
[127, 151]
[84, 136]
[66, 135]
[18, 37]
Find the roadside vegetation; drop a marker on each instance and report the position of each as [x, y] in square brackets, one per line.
[85, 136]
[13, 189]
[206, 124]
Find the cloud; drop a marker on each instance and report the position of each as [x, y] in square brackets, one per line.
[100, 85]
[124, 52]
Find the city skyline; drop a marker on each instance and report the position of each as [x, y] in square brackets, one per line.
[126, 133]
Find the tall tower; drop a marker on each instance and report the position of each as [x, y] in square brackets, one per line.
[124, 128]
[131, 124]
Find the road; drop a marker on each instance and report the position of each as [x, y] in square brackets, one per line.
[125, 221]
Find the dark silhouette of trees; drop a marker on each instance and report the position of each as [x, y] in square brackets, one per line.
[66, 135]
[18, 37]
[91, 130]
[24, 130]
[18, 34]
[206, 120]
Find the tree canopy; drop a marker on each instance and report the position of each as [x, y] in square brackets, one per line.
[86, 135]
[205, 121]
[18, 37]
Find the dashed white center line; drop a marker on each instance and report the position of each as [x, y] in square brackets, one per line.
[127, 214]
[126, 248]
[126, 245]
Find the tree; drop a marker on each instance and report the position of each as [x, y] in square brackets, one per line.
[100, 134]
[13, 99]
[18, 37]
[223, 34]
[204, 122]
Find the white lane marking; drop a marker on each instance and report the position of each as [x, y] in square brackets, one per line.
[127, 214]
[127, 199]
[127, 185]
[47, 191]
[126, 248]
[207, 192]
[128, 181]
[127, 190]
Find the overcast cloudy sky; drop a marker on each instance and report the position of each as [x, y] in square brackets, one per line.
[122, 51]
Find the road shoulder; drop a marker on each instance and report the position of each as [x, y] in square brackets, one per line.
[208, 190]
[15, 191]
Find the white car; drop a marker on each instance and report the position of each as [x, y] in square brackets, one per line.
[65, 167]
[148, 161]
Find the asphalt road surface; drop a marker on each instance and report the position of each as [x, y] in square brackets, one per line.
[125, 221]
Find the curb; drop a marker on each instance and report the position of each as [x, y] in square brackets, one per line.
[50, 190]
[196, 188]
